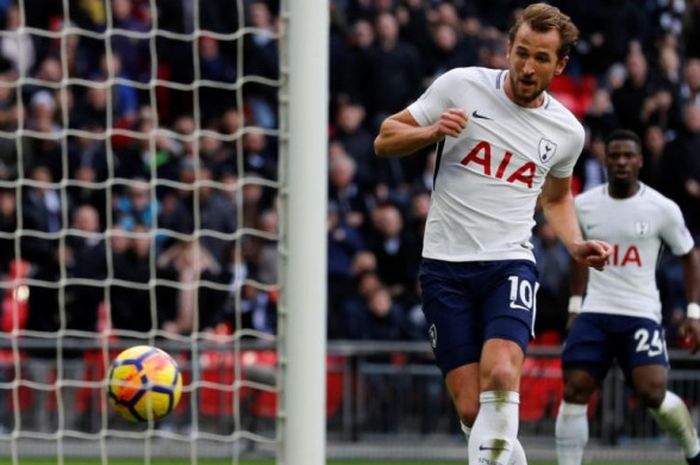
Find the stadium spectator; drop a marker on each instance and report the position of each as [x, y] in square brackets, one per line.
[355, 74]
[345, 193]
[396, 249]
[8, 225]
[217, 155]
[356, 140]
[260, 154]
[380, 319]
[683, 165]
[132, 49]
[258, 310]
[344, 242]
[130, 298]
[553, 267]
[188, 262]
[216, 214]
[449, 50]
[394, 65]
[154, 155]
[85, 258]
[41, 211]
[135, 207]
[8, 122]
[690, 87]
[267, 261]
[90, 110]
[91, 170]
[19, 49]
[637, 88]
[220, 68]
[600, 117]
[655, 146]
[262, 59]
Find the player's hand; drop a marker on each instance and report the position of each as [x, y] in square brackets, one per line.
[690, 329]
[592, 253]
[452, 123]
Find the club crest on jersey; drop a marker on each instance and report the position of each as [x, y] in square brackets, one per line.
[641, 227]
[546, 149]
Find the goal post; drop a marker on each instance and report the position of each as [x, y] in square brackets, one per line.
[302, 313]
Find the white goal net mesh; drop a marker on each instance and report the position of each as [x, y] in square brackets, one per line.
[138, 205]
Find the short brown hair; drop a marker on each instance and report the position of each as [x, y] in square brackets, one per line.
[542, 17]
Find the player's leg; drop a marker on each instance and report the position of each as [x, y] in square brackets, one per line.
[586, 359]
[454, 334]
[667, 408]
[495, 430]
[645, 364]
[508, 312]
[463, 385]
[571, 428]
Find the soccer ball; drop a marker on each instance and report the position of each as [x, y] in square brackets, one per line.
[144, 384]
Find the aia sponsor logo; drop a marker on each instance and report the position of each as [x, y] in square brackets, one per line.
[621, 256]
[497, 164]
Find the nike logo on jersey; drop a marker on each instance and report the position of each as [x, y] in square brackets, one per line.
[475, 114]
[515, 306]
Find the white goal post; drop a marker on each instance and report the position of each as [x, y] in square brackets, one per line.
[302, 328]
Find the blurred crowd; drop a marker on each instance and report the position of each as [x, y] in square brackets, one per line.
[115, 148]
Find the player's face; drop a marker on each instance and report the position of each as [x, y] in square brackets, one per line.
[533, 62]
[624, 160]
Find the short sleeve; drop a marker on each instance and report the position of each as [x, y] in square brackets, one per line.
[436, 99]
[674, 231]
[565, 167]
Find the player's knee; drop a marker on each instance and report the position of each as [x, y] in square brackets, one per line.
[502, 377]
[576, 394]
[652, 394]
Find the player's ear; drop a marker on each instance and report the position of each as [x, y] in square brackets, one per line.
[561, 64]
[508, 48]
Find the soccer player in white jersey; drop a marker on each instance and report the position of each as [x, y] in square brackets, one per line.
[620, 319]
[502, 141]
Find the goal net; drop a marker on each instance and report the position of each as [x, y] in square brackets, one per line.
[139, 193]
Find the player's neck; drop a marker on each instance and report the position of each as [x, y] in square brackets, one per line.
[623, 190]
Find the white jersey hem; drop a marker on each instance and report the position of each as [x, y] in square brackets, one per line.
[633, 314]
[485, 257]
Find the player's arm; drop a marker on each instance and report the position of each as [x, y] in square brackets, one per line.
[400, 134]
[690, 328]
[558, 206]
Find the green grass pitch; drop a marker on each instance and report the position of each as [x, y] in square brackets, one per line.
[93, 461]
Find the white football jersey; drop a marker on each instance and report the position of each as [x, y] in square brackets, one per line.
[487, 180]
[636, 227]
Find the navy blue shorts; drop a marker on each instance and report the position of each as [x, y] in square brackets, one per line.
[596, 340]
[467, 303]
